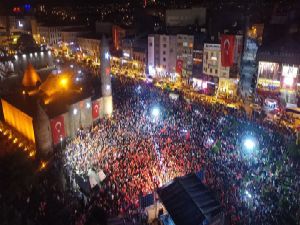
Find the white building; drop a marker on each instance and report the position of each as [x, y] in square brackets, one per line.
[49, 34]
[184, 17]
[212, 61]
[165, 50]
[52, 35]
[227, 76]
[90, 45]
[159, 50]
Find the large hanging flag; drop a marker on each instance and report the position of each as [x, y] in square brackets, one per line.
[179, 65]
[58, 129]
[227, 50]
[95, 109]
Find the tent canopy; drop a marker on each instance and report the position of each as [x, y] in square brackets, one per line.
[189, 202]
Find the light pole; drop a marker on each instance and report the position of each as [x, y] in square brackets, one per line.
[61, 139]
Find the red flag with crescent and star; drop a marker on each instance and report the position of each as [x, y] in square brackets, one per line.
[95, 109]
[227, 50]
[58, 129]
[179, 65]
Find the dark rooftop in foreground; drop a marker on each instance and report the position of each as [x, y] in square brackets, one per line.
[189, 202]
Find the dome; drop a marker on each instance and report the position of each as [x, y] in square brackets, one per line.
[30, 78]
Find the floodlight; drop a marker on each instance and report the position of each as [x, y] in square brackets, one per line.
[75, 111]
[248, 194]
[107, 55]
[155, 112]
[63, 82]
[249, 144]
[88, 105]
[210, 141]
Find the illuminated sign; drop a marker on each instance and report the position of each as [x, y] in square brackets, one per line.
[289, 71]
[212, 47]
[289, 75]
[268, 70]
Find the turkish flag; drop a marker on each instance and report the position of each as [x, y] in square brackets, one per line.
[227, 50]
[179, 65]
[95, 109]
[107, 71]
[58, 129]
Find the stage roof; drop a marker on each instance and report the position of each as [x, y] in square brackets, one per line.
[189, 202]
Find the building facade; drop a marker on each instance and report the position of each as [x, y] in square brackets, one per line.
[227, 76]
[164, 53]
[49, 34]
[90, 45]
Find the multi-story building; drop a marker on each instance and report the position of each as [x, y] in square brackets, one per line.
[164, 53]
[90, 45]
[52, 35]
[184, 53]
[139, 57]
[225, 78]
[279, 71]
[20, 24]
[212, 61]
[117, 34]
[159, 50]
[49, 34]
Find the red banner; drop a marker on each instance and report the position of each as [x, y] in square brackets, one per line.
[227, 50]
[58, 129]
[95, 109]
[179, 65]
[107, 71]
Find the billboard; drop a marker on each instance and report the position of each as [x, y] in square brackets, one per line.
[289, 77]
[289, 71]
[269, 70]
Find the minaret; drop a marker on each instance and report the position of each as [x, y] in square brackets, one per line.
[106, 88]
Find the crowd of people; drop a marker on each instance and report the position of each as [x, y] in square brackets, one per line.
[139, 151]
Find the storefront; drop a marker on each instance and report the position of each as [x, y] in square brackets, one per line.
[227, 87]
[279, 78]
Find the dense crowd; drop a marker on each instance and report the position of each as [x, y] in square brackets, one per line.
[139, 151]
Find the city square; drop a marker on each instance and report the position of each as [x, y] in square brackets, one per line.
[160, 125]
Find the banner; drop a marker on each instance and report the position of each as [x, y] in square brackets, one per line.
[58, 129]
[227, 50]
[179, 65]
[95, 109]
